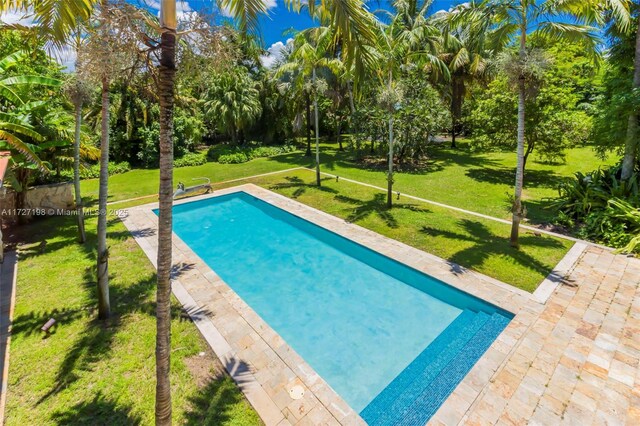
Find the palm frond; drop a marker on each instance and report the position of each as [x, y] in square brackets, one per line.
[16, 143]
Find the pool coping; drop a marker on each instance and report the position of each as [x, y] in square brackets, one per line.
[260, 361]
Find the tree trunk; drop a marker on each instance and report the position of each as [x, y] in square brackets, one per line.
[308, 101]
[166, 81]
[104, 308]
[234, 136]
[457, 94]
[517, 199]
[317, 129]
[338, 138]
[352, 105]
[631, 144]
[76, 174]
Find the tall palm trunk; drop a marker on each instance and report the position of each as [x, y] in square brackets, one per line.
[76, 173]
[352, 105]
[104, 308]
[457, 92]
[631, 144]
[308, 105]
[390, 172]
[517, 199]
[317, 129]
[167, 73]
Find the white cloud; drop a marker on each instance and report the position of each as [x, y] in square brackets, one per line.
[274, 53]
[270, 4]
[66, 57]
[17, 17]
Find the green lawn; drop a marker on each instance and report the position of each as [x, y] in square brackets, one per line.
[89, 372]
[478, 182]
[475, 243]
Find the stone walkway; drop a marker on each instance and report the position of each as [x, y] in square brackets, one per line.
[578, 363]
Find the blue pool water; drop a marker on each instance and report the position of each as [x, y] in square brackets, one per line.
[393, 342]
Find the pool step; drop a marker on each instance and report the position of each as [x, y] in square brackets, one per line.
[415, 395]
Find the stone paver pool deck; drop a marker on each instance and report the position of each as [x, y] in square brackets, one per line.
[571, 359]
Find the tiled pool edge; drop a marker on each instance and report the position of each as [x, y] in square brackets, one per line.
[263, 380]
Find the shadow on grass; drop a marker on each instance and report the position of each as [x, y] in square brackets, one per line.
[100, 411]
[300, 186]
[93, 341]
[506, 176]
[378, 206]
[486, 244]
[214, 402]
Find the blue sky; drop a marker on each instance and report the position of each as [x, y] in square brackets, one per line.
[272, 27]
[280, 19]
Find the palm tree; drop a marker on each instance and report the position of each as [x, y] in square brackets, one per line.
[631, 142]
[233, 101]
[166, 88]
[79, 93]
[409, 33]
[466, 56]
[511, 20]
[55, 20]
[313, 51]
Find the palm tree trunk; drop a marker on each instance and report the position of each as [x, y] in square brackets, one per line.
[104, 308]
[167, 72]
[352, 105]
[338, 138]
[631, 144]
[308, 104]
[317, 129]
[390, 172]
[352, 108]
[456, 106]
[76, 174]
[517, 199]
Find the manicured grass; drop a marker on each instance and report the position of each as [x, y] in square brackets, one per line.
[479, 182]
[91, 372]
[478, 244]
[140, 182]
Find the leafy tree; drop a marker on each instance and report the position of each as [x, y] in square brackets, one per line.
[613, 123]
[233, 101]
[14, 108]
[507, 20]
[312, 52]
[420, 116]
[409, 33]
[466, 53]
[633, 126]
[552, 116]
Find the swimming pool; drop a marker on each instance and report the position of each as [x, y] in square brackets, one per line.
[391, 341]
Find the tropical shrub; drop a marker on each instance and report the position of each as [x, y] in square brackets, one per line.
[227, 154]
[599, 206]
[233, 158]
[190, 159]
[93, 171]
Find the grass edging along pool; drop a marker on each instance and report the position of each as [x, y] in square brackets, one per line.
[391, 341]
